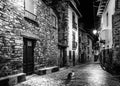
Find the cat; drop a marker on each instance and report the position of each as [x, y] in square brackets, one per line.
[69, 77]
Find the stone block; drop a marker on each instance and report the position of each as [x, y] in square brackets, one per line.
[55, 69]
[4, 82]
[12, 81]
[21, 78]
[41, 72]
[48, 71]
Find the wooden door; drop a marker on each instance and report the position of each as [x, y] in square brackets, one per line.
[73, 58]
[28, 59]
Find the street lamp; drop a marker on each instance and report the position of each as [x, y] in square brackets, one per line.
[94, 32]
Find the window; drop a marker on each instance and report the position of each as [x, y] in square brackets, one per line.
[30, 11]
[54, 20]
[117, 4]
[73, 36]
[74, 43]
[73, 17]
[73, 21]
[69, 54]
[107, 19]
[29, 6]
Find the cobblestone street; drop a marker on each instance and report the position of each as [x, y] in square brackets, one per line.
[85, 75]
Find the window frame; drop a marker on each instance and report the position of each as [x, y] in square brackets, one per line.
[29, 14]
[107, 19]
[54, 19]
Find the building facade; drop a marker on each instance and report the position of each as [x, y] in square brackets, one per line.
[85, 46]
[109, 11]
[90, 54]
[68, 16]
[73, 16]
[28, 36]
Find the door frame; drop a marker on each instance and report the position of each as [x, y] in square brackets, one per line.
[25, 58]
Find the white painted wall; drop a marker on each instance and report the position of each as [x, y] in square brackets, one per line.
[106, 31]
[70, 30]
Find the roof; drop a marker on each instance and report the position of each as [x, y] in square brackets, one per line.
[75, 8]
[102, 6]
[77, 1]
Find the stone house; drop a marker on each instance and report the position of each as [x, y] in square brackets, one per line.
[109, 13]
[82, 45]
[73, 16]
[68, 15]
[28, 36]
[85, 45]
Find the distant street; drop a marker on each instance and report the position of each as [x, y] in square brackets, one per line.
[85, 75]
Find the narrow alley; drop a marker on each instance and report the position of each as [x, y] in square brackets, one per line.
[57, 42]
[85, 75]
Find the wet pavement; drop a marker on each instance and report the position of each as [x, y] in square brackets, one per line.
[85, 75]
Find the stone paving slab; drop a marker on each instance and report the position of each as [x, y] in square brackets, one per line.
[86, 75]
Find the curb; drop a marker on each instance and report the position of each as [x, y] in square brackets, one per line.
[12, 80]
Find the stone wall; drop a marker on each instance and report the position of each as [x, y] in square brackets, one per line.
[116, 34]
[115, 64]
[13, 23]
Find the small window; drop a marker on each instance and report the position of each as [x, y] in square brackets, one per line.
[29, 43]
[73, 21]
[73, 17]
[117, 4]
[69, 54]
[107, 19]
[73, 36]
[54, 20]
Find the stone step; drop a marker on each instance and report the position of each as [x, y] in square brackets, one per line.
[47, 70]
[12, 80]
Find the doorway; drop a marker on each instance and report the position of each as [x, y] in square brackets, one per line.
[73, 58]
[28, 58]
[63, 56]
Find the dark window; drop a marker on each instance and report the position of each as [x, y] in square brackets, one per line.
[117, 4]
[107, 19]
[54, 20]
[69, 54]
[73, 17]
[73, 21]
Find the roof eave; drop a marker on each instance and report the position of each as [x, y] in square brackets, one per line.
[76, 10]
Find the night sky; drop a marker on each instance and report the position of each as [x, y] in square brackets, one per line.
[89, 12]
